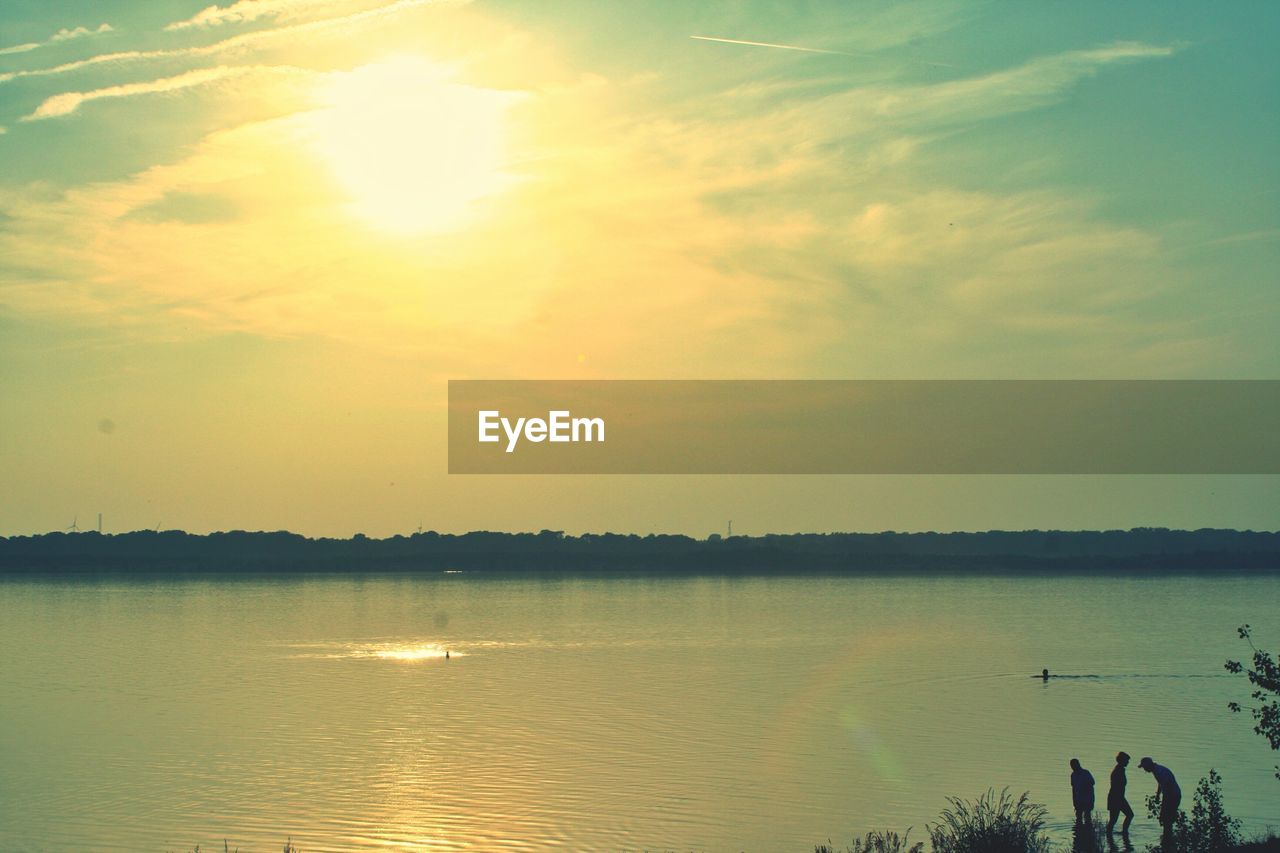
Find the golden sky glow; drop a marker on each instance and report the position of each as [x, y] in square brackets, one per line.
[308, 216]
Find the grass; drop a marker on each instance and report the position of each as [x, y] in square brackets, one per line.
[1000, 824]
[1092, 836]
[288, 847]
[993, 823]
[876, 842]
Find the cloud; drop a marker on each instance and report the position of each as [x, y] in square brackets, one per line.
[187, 207]
[247, 10]
[67, 103]
[21, 48]
[1260, 235]
[65, 34]
[235, 43]
[61, 35]
[825, 214]
[649, 234]
[882, 110]
[1016, 89]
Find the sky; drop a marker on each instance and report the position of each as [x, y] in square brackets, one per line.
[244, 246]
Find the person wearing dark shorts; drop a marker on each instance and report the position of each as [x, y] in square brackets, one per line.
[1081, 791]
[1116, 802]
[1167, 792]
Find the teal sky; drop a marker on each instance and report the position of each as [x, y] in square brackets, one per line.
[243, 247]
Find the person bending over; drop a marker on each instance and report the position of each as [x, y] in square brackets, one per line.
[1168, 793]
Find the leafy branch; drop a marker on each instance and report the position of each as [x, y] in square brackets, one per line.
[1265, 678]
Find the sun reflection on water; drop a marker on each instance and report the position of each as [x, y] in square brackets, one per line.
[412, 653]
[409, 652]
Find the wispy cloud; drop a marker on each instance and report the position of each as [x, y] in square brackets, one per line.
[248, 10]
[67, 103]
[61, 35]
[1026, 86]
[239, 42]
[1262, 235]
[79, 32]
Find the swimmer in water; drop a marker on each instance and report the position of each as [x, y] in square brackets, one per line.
[1044, 673]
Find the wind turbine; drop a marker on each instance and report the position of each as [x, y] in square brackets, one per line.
[74, 528]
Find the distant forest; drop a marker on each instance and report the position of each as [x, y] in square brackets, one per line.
[1140, 551]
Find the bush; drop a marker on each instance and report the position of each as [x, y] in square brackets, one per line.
[1208, 829]
[991, 824]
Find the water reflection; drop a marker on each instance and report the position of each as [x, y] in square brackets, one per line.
[1119, 843]
[412, 653]
[397, 651]
[701, 714]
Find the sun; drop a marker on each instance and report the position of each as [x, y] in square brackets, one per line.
[412, 149]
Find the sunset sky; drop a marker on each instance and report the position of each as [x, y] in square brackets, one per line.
[243, 247]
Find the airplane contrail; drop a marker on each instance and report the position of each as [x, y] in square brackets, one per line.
[809, 49]
[770, 44]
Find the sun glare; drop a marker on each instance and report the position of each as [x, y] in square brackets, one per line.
[412, 149]
[411, 654]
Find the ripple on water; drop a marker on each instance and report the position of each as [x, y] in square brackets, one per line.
[698, 714]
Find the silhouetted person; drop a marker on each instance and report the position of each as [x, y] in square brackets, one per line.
[1081, 791]
[1167, 792]
[446, 654]
[1116, 802]
[1044, 673]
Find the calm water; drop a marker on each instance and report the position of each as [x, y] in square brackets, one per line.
[629, 714]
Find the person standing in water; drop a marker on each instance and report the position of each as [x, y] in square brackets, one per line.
[1167, 792]
[1081, 791]
[1117, 804]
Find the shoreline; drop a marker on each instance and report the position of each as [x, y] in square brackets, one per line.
[1140, 552]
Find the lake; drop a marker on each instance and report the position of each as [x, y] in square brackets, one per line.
[716, 714]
